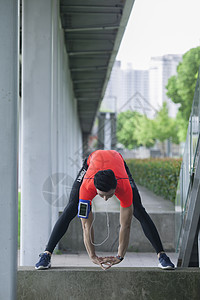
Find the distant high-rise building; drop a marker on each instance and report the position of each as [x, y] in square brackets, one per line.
[114, 91]
[141, 90]
[161, 69]
[127, 89]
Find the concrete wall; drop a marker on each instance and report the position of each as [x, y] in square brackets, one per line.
[73, 239]
[116, 283]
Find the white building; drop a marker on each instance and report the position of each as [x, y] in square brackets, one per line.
[127, 89]
[114, 92]
[141, 90]
[161, 69]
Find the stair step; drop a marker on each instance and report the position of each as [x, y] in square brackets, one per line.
[115, 283]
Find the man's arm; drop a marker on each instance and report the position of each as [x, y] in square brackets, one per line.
[125, 226]
[124, 233]
[88, 235]
[86, 225]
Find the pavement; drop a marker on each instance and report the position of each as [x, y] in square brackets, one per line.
[153, 204]
[131, 259]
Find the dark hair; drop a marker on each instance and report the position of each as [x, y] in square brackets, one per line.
[105, 180]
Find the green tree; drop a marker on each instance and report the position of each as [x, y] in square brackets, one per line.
[181, 87]
[182, 126]
[134, 130]
[145, 132]
[165, 127]
[126, 128]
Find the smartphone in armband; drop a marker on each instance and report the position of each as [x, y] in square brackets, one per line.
[84, 208]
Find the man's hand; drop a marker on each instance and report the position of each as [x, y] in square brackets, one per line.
[103, 262]
[111, 260]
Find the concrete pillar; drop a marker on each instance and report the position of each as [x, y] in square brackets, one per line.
[54, 104]
[60, 119]
[107, 132]
[85, 148]
[66, 121]
[36, 127]
[101, 127]
[8, 147]
[113, 130]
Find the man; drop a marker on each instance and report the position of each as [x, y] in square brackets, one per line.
[105, 173]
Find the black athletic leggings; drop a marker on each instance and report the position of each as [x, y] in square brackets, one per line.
[71, 211]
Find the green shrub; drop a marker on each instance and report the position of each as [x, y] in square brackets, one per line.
[158, 175]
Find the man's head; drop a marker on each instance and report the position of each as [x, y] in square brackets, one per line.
[105, 180]
[105, 183]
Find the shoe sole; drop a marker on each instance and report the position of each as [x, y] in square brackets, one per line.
[166, 268]
[43, 268]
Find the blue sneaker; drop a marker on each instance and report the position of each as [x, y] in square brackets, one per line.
[165, 262]
[44, 262]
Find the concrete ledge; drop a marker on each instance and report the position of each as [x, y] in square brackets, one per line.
[164, 221]
[116, 283]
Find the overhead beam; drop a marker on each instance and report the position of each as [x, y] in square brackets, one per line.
[97, 68]
[91, 28]
[89, 90]
[65, 9]
[86, 80]
[76, 53]
[87, 98]
[99, 34]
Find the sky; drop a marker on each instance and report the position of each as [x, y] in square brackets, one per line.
[158, 27]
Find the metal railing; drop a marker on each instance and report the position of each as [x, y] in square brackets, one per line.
[188, 167]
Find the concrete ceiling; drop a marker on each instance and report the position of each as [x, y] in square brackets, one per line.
[93, 32]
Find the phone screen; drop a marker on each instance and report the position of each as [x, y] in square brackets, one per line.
[83, 209]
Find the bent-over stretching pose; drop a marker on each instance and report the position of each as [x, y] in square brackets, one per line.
[105, 173]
